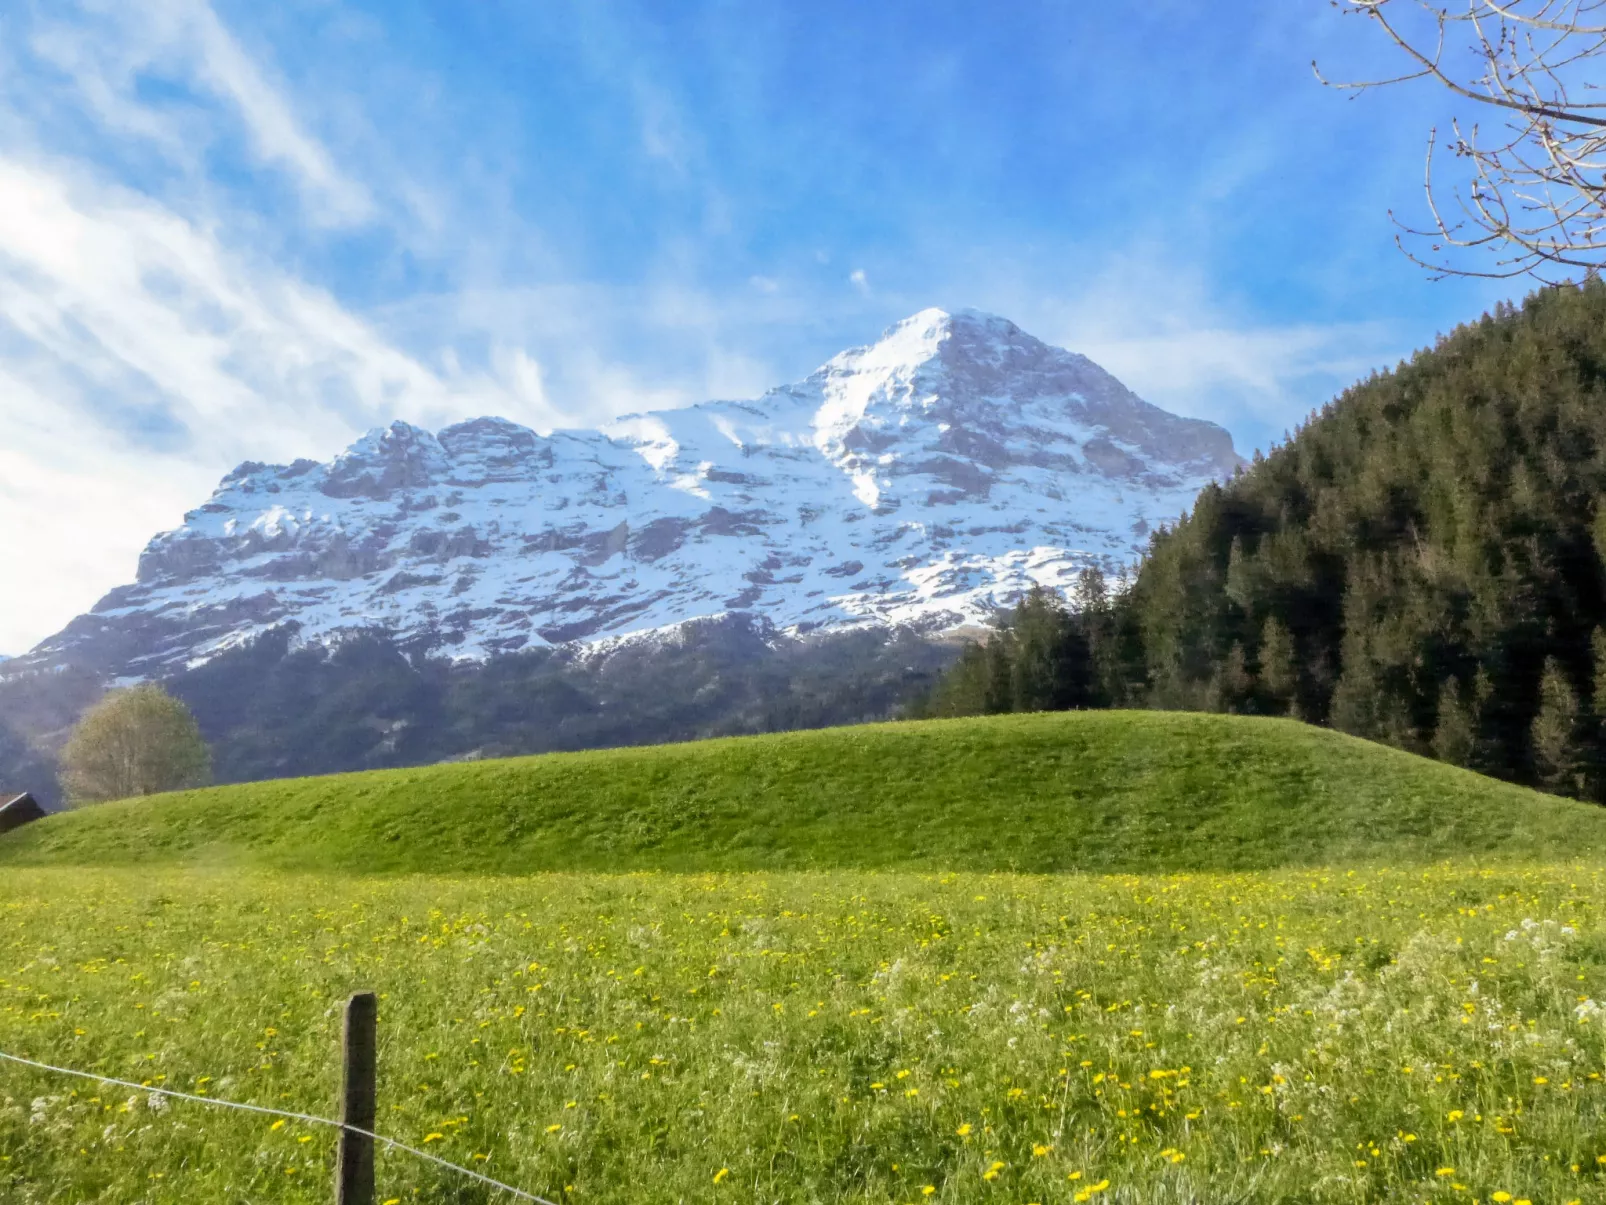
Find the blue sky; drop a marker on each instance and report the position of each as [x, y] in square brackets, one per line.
[253, 231]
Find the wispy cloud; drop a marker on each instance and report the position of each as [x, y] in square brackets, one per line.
[1257, 380]
[274, 130]
[251, 232]
[142, 357]
[1170, 333]
[125, 47]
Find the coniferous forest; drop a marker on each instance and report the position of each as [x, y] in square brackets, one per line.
[1422, 563]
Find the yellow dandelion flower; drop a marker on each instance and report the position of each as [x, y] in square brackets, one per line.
[964, 1130]
[721, 1174]
[1445, 1171]
[1040, 1149]
[429, 1138]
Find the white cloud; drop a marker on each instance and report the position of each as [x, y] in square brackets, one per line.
[143, 350]
[145, 347]
[143, 358]
[1164, 329]
[273, 127]
[107, 48]
[1188, 370]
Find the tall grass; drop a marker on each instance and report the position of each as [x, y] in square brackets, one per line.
[1350, 1035]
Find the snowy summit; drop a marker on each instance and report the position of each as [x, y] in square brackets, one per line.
[924, 479]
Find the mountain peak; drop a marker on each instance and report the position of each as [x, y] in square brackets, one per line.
[925, 478]
[923, 336]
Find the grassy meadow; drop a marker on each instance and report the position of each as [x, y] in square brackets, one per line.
[1394, 1027]
[1090, 791]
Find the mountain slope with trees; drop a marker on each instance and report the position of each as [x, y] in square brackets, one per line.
[280, 707]
[1420, 564]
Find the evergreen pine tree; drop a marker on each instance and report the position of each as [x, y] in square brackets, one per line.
[1597, 648]
[1555, 733]
[1039, 680]
[1355, 698]
[1240, 587]
[1594, 724]
[1091, 593]
[1482, 693]
[1279, 672]
[1454, 738]
[1232, 682]
[1000, 690]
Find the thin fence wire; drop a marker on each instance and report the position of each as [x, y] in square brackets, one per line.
[307, 1117]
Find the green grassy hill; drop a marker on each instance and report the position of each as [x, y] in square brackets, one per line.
[1065, 791]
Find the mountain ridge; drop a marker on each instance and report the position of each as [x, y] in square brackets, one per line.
[923, 479]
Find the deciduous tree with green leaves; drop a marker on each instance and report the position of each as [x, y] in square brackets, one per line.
[137, 741]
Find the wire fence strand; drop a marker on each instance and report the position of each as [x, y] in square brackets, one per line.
[307, 1117]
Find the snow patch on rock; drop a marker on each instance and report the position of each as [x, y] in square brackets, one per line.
[927, 479]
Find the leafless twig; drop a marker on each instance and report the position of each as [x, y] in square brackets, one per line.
[1536, 199]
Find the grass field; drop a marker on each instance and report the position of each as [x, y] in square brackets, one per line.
[1106, 791]
[1310, 1036]
[1347, 1017]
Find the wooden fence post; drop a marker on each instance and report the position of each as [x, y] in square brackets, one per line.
[354, 1161]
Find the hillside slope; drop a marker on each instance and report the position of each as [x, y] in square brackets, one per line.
[1046, 792]
[1424, 563]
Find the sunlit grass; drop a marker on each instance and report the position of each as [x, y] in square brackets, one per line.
[1067, 791]
[1347, 1035]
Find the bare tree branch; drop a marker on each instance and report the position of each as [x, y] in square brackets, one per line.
[1536, 196]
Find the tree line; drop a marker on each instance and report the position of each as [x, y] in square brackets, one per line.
[1422, 563]
[277, 707]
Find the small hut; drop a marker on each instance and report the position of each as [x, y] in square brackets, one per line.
[18, 810]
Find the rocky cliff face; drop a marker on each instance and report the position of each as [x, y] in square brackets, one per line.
[923, 480]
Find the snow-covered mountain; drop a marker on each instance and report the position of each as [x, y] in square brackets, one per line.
[923, 479]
